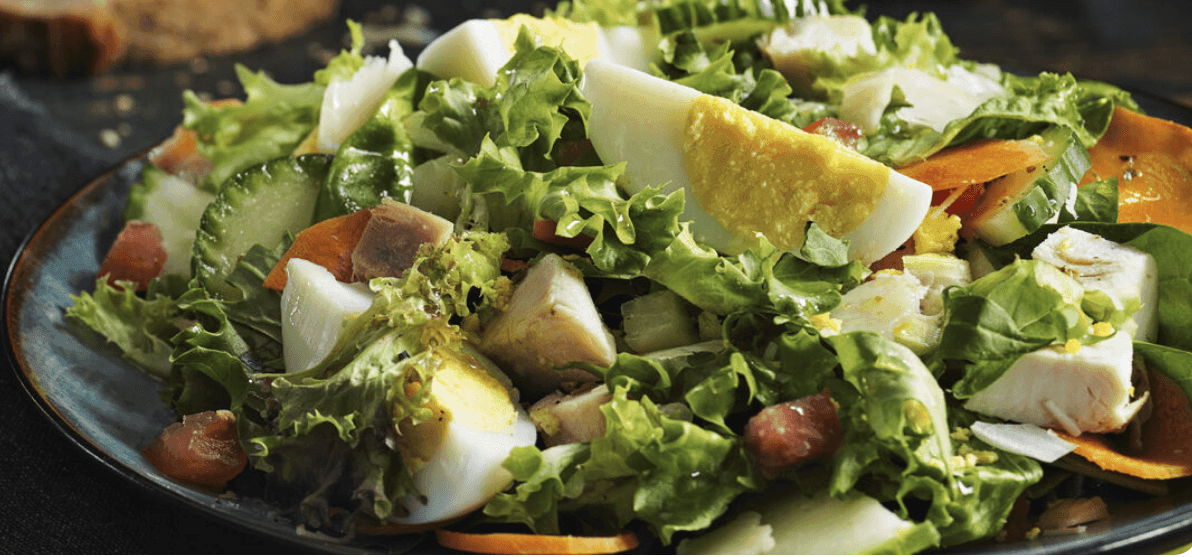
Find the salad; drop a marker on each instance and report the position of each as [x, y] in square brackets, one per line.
[734, 275]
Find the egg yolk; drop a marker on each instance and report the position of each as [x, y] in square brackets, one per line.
[579, 40]
[464, 391]
[757, 174]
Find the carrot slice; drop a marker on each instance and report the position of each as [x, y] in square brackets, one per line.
[975, 163]
[1166, 438]
[536, 544]
[328, 243]
[1152, 159]
[138, 255]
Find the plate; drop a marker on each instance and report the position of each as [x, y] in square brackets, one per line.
[112, 410]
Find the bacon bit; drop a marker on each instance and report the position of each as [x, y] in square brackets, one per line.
[544, 231]
[847, 133]
[138, 256]
[1166, 438]
[790, 434]
[329, 243]
[977, 162]
[514, 265]
[1018, 523]
[1153, 158]
[203, 449]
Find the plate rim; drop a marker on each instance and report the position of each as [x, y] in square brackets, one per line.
[1158, 532]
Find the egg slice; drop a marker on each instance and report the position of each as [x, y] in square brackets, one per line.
[476, 49]
[456, 456]
[314, 308]
[745, 173]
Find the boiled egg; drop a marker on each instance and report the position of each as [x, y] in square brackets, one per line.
[456, 456]
[314, 308]
[745, 173]
[476, 49]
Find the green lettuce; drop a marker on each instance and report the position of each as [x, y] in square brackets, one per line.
[1000, 317]
[377, 161]
[270, 123]
[139, 327]
[1029, 106]
[1169, 246]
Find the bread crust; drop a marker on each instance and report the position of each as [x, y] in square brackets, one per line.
[90, 36]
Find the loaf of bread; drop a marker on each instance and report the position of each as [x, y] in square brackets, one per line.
[74, 37]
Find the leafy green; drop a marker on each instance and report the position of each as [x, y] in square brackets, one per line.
[273, 120]
[347, 62]
[1018, 309]
[377, 160]
[140, 327]
[607, 13]
[1029, 105]
[669, 473]
[1169, 246]
[1176, 364]
[1095, 202]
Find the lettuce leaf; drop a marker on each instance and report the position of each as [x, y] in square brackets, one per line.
[669, 473]
[1169, 246]
[377, 161]
[273, 120]
[1002, 316]
[139, 327]
[1029, 105]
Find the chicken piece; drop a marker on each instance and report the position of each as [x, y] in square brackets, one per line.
[1088, 390]
[1129, 277]
[551, 321]
[571, 418]
[392, 237]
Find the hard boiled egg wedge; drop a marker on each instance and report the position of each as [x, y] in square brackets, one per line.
[476, 49]
[314, 307]
[745, 173]
[456, 456]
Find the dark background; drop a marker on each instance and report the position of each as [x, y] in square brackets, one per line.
[56, 134]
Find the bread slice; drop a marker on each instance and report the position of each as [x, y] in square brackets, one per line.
[72, 37]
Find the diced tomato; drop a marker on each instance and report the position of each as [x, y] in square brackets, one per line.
[138, 255]
[847, 133]
[203, 449]
[963, 204]
[790, 434]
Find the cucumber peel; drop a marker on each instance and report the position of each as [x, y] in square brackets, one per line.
[1019, 203]
[258, 205]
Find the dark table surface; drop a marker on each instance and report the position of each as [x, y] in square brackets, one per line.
[56, 134]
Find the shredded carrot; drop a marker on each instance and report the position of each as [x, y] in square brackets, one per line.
[1166, 438]
[544, 231]
[1152, 159]
[328, 243]
[536, 544]
[975, 163]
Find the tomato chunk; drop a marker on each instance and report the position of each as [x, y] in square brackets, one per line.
[138, 255]
[790, 434]
[203, 449]
[847, 133]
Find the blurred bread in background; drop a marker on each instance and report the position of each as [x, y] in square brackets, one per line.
[81, 37]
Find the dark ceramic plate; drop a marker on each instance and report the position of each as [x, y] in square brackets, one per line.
[112, 410]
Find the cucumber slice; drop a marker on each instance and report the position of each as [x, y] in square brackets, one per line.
[1019, 203]
[175, 206]
[258, 205]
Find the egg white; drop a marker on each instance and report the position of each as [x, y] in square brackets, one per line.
[642, 120]
[474, 51]
[465, 471]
